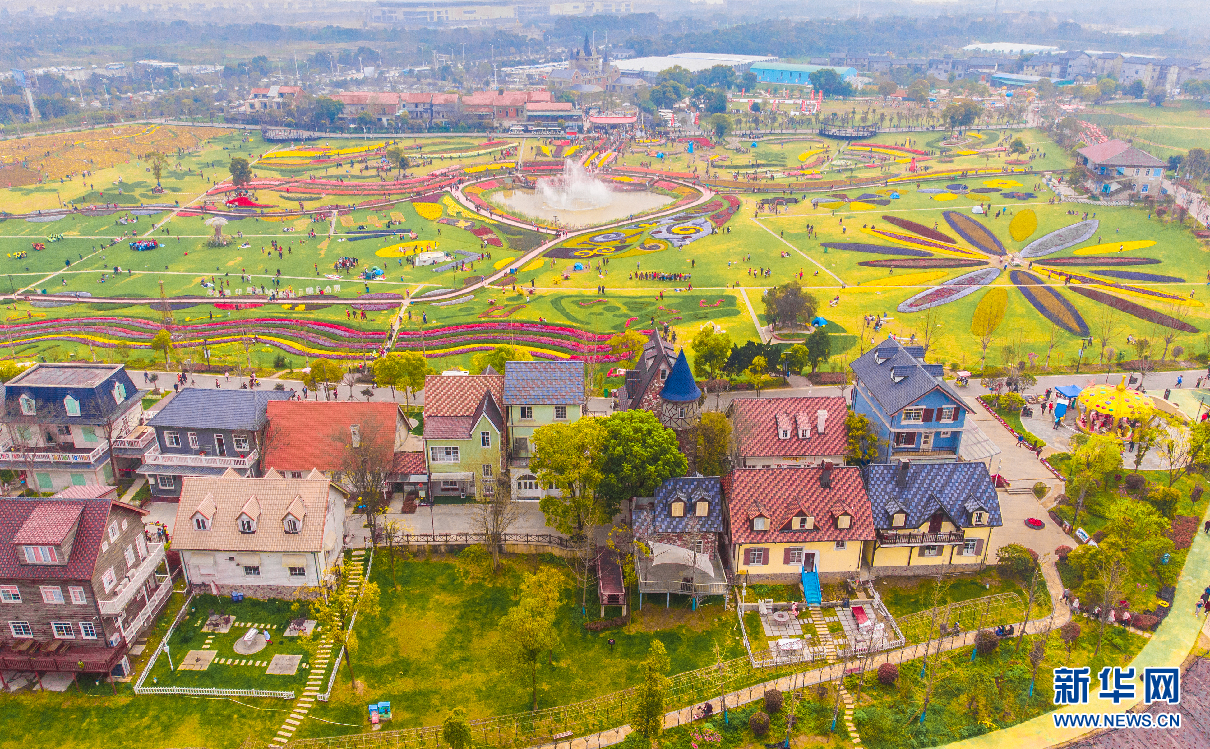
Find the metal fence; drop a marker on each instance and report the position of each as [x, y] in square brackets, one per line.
[473, 539]
[327, 694]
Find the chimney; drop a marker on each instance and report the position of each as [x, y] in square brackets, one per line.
[821, 420]
[825, 477]
[901, 473]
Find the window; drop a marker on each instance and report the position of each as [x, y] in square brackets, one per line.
[560, 412]
[119, 393]
[241, 442]
[677, 508]
[88, 631]
[27, 405]
[946, 413]
[41, 555]
[915, 414]
[295, 474]
[167, 482]
[193, 443]
[487, 471]
[200, 523]
[443, 454]
[489, 488]
[449, 484]
[89, 434]
[78, 479]
[71, 406]
[251, 570]
[698, 546]
[63, 431]
[298, 572]
[220, 446]
[979, 518]
[803, 523]
[784, 434]
[113, 531]
[140, 545]
[63, 630]
[129, 555]
[109, 580]
[1146, 188]
[930, 551]
[840, 545]
[760, 524]
[10, 594]
[968, 548]
[51, 593]
[485, 439]
[172, 439]
[292, 525]
[944, 435]
[794, 555]
[898, 519]
[527, 412]
[528, 482]
[521, 445]
[20, 629]
[843, 520]
[701, 508]
[247, 524]
[905, 439]
[757, 556]
[77, 594]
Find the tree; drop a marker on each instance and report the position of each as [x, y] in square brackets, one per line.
[758, 371]
[497, 358]
[795, 358]
[455, 730]
[1094, 457]
[989, 313]
[788, 304]
[365, 120]
[495, 510]
[157, 161]
[1145, 438]
[322, 372]
[819, 348]
[961, 113]
[1018, 147]
[529, 626]
[404, 370]
[748, 81]
[162, 342]
[241, 172]
[1156, 96]
[327, 110]
[1106, 325]
[715, 101]
[647, 710]
[1165, 500]
[721, 125]
[1135, 89]
[713, 439]
[1070, 633]
[397, 158]
[862, 443]
[567, 457]
[887, 87]
[336, 601]
[710, 351]
[919, 91]
[666, 95]
[638, 453]
[1183, 448]
[629, 346]
[830, 82]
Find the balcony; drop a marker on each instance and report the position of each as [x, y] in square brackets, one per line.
[891, 538]
[204, 461]
[133, 582]
[683, 579]
[131, 630]
[53, 454]
[136, 442]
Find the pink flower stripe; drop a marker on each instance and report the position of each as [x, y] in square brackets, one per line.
[521, 326]
[904, 149]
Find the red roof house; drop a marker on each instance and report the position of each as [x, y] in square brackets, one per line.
[772, 432]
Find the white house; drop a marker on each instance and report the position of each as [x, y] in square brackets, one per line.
[264, 537]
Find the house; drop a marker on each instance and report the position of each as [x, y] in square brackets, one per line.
[64, 421]
[551, 113]
[204, 433]
[1138, 69]
[330, 436]
[79, 584]
[683, 528]
[915, 412]
[784, 432]
[643, 383]
[662, 383]
[538, 393]
[264, 537]
[271, 98]
[1117, 168]
[929, 515]
[501, 106]
[783, 522]
[798, 75]
[464, 433]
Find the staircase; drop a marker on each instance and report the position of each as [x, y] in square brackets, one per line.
[812, 593]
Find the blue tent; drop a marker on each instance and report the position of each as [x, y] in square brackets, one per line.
[1068, 391]
[818, 321]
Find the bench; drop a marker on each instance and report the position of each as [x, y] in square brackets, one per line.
[860, 615]
[560, 736]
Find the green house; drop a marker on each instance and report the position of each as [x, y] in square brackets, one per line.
[538, 393]
[464, 433]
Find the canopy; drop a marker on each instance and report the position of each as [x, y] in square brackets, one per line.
[1116, 400]
[669, 554]
[1068, 391]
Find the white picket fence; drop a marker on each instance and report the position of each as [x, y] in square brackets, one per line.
[352, 620]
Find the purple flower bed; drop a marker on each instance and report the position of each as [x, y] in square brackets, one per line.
[916, 263]
[952, 290]
[1136, 310]
[1102, 260]
[1049, 303]
[907, 238]
[974, 232]
[920, 229]
[1134, 275]
[876, 248]
[1061, 239]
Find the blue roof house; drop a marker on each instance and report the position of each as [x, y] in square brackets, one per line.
[204, 433]
[683, 529]
[918, 414]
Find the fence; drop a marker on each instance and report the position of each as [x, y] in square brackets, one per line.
[1002, 608]
[352, 620]
[474, 539]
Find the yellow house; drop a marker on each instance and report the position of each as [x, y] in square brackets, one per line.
[786, 521]
[931, 515]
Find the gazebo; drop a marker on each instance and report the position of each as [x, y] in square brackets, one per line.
[1112, 408]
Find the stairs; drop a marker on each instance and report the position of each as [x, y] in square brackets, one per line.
[812, 593]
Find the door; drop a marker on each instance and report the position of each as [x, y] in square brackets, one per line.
[935, 522]
[808, 562]
[926, 441]
[220, 445]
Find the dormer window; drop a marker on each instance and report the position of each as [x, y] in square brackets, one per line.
[803, 523]
[804, 434]
[677, 509]
[760, 523]
[784, 434]
[27, 405]
[292, 524]
[41, 555]
[701, 508]
[979, 518]
[898, 519]
[844, 520]
[246, 524]
[71, 406]
[201, 523]
[119, 393]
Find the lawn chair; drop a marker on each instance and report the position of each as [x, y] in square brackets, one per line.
[374, 714]
[384, 710]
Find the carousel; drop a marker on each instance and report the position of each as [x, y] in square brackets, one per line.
[1112, 409]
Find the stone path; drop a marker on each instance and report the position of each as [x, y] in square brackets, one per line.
[319, 667]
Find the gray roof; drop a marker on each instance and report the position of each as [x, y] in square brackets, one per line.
[164, 469]
[689, 489]
[895, 376]
[217, 409]
[957, 489]
[66, 375]
[538, 383]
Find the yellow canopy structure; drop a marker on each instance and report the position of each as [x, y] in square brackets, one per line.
[1116, 401]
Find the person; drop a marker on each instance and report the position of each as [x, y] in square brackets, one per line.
[1207, 528]
[1179, 379]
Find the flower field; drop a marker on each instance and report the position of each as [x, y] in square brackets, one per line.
[63, 154]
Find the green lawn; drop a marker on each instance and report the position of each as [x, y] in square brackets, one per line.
[907, 595]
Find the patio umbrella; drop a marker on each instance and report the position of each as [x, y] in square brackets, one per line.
[669, 554]
[1116, 401]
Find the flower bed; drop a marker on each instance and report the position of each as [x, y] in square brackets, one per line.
[1133, 275]
[875, 248]
[1133, 309]
[887, 148]
[1061, 239]
[1049, 303]
[974, 232]
[1102, 260]
[933, 262]
[913, 241]
[1023, 225]
[950, 291]
[920, 229]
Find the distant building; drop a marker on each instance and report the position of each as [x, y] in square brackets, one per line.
[683, 528]
[649, 68]
[271, 98]
[799, 75]
[506, 107]
[444, 14]
[1115, 167]
[599, 7]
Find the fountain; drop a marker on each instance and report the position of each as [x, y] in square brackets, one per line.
[577, 199]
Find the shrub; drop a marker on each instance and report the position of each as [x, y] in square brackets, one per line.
[759, 724]
[1145, 622]
[1135, 483]
[1196, 494]
[773, 701]
[1201, 357]
[1062, 551]
[986, 641]
[888, 673]
[1015, 560]
[1040, 489]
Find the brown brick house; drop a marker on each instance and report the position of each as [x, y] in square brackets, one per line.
[79, 582]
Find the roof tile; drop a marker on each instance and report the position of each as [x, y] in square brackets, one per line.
[780, 493]
[544, 383]
[756, 426]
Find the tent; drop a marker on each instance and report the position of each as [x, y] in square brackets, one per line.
[669, 554]
[818, 321]
[1068, 391]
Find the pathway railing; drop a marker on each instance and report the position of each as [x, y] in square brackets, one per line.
[1002, 608]
[472, 539]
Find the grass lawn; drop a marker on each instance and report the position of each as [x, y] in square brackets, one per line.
[455, 654]
[907, 595]
[1013, 418]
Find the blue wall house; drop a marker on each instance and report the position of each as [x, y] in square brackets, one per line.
[62, 423]
[205, 432]
[917, 413]
[797, 75]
